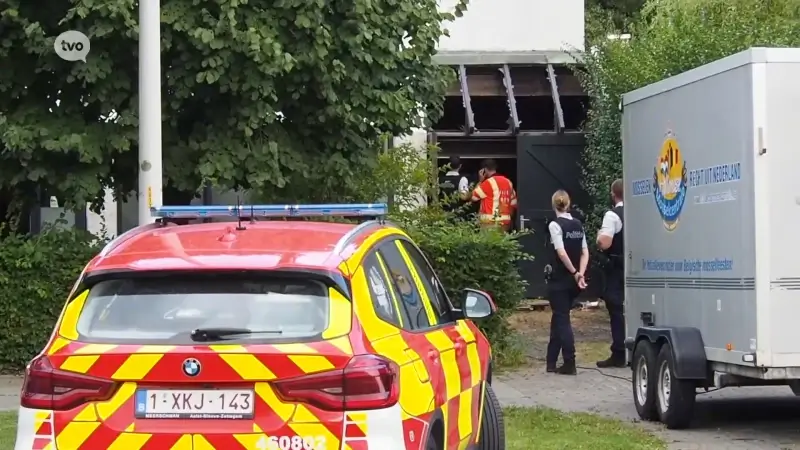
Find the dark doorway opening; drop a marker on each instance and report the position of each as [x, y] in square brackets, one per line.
[491, 113]
[470, 167]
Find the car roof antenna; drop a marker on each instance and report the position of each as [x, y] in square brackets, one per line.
[239, 226]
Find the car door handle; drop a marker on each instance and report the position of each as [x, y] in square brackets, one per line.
[433, 355]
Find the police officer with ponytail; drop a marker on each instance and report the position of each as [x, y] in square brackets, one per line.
[611, 242]
[565, 281]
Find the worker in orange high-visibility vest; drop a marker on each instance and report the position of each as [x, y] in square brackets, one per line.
[496, 195]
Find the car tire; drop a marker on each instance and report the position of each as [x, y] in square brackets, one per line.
[493, 430]
[644, 379]
[675, 397]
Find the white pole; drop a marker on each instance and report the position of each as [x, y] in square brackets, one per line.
[150, 165]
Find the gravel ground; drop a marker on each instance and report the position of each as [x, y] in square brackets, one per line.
[732, 418]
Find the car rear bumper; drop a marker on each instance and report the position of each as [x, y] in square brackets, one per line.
[362, 430]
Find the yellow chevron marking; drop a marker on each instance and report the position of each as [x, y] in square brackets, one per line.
[301, 349]
[228, 348]
[283, 410]
[415, 396]
[41, 416]
[184, 443]
[58, 344]
[374, 327]
[201, 443]
[106, 409]
[129, 441]
[75, 434]
[343, 344]
[303, 415]
[69, 322]
[250, 440]
[80, 364]
[340, 315]
[94, 349]
[465, 414]
[136, 366]
[257, 429]
[130, 428]
[155, 349]
[87, 414]
[247, 366]
[311, 363]
[440, 340]
[474, 364]
[316, 429]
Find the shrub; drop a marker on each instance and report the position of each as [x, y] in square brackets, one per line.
[465, 256]
[36, 275]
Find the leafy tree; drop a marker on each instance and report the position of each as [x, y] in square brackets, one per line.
[285, 94]
[671, 37]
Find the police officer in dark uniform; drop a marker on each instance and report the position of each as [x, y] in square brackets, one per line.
[611, 242]
[452, 183]
[564, 282]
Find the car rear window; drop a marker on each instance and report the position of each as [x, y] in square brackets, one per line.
[167, 309]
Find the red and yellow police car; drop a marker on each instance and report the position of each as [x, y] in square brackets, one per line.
[263, 335]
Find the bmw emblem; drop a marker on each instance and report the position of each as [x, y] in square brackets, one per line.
[191, 367]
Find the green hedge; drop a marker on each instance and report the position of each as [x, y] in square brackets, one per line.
[36, 274]
[465, 256]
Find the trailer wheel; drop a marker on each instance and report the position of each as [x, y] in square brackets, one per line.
[675, 397]
[644, 380]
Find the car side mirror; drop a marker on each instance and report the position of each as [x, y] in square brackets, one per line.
[477, 304]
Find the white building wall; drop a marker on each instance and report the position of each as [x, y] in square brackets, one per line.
[515, 26]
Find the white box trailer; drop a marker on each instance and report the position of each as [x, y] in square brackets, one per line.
[711, 163]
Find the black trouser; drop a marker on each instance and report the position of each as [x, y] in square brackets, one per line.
[561, 338]
[614, 297]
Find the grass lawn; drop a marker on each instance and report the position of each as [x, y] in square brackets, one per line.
[547, 429]
[526, 428]
[8, 430]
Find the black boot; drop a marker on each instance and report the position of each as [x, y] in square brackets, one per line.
[568, 368]
[613, 361]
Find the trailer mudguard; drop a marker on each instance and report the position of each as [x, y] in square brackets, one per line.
[688, 349]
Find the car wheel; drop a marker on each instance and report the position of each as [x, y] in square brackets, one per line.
[675, 397]
[493, 430]
[644, 380]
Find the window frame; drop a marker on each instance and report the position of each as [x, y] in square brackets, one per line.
[413, 325]
[366, 264]
[438, 288]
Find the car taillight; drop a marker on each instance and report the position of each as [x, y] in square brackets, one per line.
[46, 387]
[367, 382]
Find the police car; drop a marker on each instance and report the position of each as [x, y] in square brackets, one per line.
[263, 335]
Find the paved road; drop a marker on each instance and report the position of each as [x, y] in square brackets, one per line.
[751, 418]
[730, 419]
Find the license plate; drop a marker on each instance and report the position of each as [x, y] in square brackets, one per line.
[194, 404]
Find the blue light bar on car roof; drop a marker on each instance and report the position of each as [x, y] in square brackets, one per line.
[248, 211]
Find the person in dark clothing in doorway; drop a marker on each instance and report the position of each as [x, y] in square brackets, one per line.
[565, 281]
[611, 242]
[453, 182]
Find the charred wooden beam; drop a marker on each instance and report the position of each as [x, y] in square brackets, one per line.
[512, 102]
[559, 113]
[469, 116]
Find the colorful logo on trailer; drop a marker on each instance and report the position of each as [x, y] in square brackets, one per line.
[669, 182]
